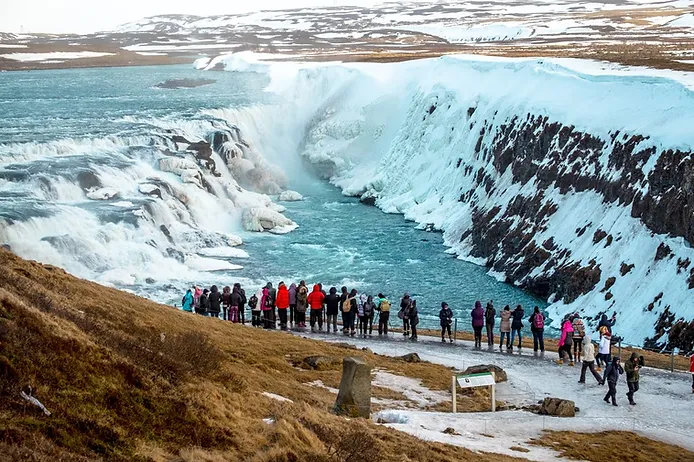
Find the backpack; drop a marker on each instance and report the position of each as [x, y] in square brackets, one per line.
[268, 301]
[539, 321]
[384, 306]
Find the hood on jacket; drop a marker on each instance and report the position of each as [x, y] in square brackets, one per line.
[634, 355]
[316, 288]
[266, 292]
[282, 288]
[615, 360]
[214, 289]
[333, 291]
[478, 304]
[292, 286]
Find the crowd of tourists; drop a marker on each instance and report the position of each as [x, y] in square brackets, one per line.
[287, 307]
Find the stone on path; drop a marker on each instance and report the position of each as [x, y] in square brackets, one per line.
[354, 397]
[558, 407]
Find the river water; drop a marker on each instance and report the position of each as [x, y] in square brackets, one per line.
[114, 123]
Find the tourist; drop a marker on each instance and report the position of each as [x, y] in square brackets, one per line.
[607, 323]
[446, 319]
[566, 342]
[361, 316]
[413, 316]
[537, 327]
[349, 308]
[215, 302]
[632, 367]
[578, 334]
[369, 309]
[517, 325]
[383, 307]
[588, 361]
[292, 303]
[477, 315]
[344, 295]
[605, 348]
[505, 328]
[282, 304]
[226, 302]
[490, 318]
[332, 304]
[315, 302]
[236, 304]
[242, 302]
[255, 311]
[301, 305]
[691, 369]
[197, 293]
[204, 303]
[403, 314]
[187, 301]
[267, 307]
[612, 373]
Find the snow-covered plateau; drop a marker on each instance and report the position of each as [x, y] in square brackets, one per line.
[571, 179]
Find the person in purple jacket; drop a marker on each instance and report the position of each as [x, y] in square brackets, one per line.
[478, 323]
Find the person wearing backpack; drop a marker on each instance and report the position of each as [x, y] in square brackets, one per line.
[301, 305]
[267, 306]
[369, 309]
[255, 311]
[579, 333]
[383, 306]
[537, 327]
[404, 313]
[332, 305]
[565, 342]
[505, 328]
[215, 299]
[445, 319]
[187, 301]
[489, 320]
[478, 322]
[349, 307]
[611, 377]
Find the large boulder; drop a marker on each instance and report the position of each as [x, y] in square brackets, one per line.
[499, 373]
[354, 397]
[411, 358]
[558, 407]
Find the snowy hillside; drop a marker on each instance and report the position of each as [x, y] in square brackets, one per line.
[568, 178]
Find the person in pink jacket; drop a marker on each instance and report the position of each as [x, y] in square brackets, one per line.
[691, 369]
[566, 342]
[267, 306]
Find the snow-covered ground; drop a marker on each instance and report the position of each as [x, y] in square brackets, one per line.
[663, 411]
[53, 55]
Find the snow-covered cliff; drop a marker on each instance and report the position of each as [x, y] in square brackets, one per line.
[571, 179]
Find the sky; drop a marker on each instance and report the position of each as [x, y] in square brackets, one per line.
[85, 16]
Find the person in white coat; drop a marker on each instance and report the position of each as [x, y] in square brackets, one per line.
[605, 348]
[588, 361]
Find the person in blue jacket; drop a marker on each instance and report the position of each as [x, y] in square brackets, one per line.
[187, 302]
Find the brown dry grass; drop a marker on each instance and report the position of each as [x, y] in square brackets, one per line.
[119, 390]
[611, 447]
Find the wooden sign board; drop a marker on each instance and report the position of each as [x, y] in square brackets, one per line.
[483, 379]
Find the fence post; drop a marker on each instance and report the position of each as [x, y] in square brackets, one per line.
[672, 361]
[455, 330]
[453, 393]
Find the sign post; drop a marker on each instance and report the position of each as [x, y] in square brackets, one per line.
[484, 379]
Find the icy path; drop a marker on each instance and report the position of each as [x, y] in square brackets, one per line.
[663, 411]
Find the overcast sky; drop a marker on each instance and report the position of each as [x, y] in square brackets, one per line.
[84, 16]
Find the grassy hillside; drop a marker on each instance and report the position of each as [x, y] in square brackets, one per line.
[128, 379]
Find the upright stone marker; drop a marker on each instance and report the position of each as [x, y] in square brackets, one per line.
[354, 397]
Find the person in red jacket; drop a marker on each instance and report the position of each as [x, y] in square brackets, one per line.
[691, 369]
[282, 304]
[315, 302]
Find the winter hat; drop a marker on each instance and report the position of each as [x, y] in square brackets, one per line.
[444, 304]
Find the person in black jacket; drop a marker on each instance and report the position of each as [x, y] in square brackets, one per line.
[517, 325]
[244, 300]
[215, 302]
[489, 319]
[445, 319]
[608, 323]
[204, 308]
[612, 373]
[369, 310]
[236, 302]
[332, 304]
